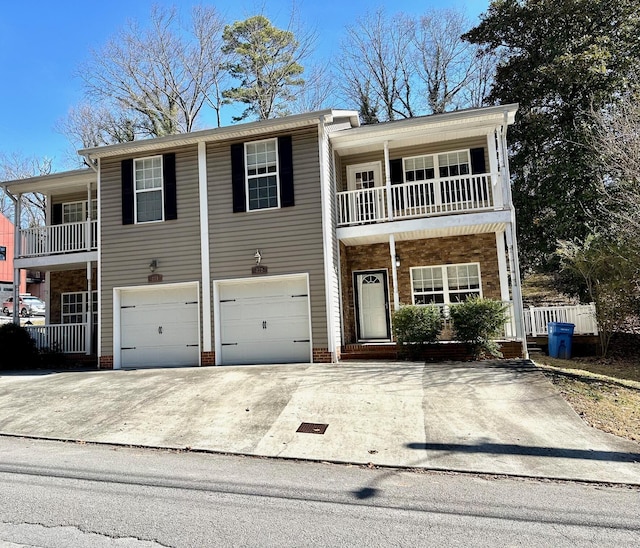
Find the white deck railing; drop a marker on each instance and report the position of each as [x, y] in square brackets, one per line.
[66, 338]
[56, 239]
[583, 316]
[418, 199]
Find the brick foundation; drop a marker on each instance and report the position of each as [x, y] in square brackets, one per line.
[322, 355]
[105, 362]
[207, 358]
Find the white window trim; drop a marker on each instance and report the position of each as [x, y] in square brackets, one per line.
[247, 176]
[436, 163]
[84, 209]
[85, 304]
[354, 168]
[136, 191]
[445, 281]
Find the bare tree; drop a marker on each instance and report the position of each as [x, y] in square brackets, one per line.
[160, 77]
[616, 148]
[15, 166]
[375, 65]
[451, 71]
[317, 90]
[398, 67]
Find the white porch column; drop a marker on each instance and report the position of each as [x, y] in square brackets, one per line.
[387, 182]
[394, 272]
[89, 321]
[17, 252]
[512, 243]
[204, 248]
[502, 267]
[87, 222]
[496, 174]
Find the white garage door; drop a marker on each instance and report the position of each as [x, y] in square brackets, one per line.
[265, 321]
[159, 326]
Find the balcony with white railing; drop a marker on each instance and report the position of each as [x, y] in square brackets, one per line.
[42, 241]
[444, 196]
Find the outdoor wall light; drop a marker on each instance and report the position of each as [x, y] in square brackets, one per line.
[258, 256]
[153, 265]
[397, 260]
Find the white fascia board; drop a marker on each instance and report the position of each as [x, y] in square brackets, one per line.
[49, 261]
[238, 131]
[64, 180]
[483, 120]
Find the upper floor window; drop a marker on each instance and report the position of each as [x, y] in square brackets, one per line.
[445, 284]
[148, 189]
[425, 168]
[76, 212]
[262, 174]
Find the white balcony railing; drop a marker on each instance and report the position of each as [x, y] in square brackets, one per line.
[583, 316]
[57, 239]
[418, 199]
[66, 338]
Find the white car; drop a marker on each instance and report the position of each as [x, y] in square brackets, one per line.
[29, 306]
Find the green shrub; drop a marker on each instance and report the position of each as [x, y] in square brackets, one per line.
[17, 348]
[477, 322]
[415, 326]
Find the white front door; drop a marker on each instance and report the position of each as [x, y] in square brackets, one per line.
[370, 199]
[373, 305]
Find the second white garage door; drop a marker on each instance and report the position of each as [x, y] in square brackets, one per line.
[265, 321]
[159, 326]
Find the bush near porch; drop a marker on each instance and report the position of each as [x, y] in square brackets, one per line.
[475, 322]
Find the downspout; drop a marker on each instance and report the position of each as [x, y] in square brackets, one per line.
[512, 244]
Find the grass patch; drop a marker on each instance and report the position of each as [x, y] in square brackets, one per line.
[605, 393]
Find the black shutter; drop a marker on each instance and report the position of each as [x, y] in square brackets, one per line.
[237, 178]
[285, 166]
[127, 191]
[477, 161]
[397, 174]
[56, 214]
[169, 173]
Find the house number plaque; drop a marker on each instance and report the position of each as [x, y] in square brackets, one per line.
[155, 278]
[259, 269]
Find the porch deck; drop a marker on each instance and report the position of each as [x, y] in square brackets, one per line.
[42, 241]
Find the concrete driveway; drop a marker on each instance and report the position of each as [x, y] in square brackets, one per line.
[499, 417]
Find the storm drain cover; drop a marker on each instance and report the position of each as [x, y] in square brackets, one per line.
[312, 428]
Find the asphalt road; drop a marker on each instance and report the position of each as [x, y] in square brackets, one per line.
[67, 494]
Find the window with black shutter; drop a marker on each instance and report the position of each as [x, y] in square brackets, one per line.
[149, 189]
[262, 174]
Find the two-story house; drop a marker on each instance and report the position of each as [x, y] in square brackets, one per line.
[276, 241]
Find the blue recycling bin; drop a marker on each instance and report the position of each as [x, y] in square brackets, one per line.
[560, 339]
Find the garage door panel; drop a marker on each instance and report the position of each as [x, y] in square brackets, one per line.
[260, 322]
[160, 327]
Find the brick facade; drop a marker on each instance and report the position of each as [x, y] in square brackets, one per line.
[474, 248]
[322, 355]
[105, 362]
[66, 281]
[208, 358]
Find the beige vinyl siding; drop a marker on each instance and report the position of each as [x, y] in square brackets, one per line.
[334, 275]
[72, 197]
[289, 238]
[126, 250]
[407, 152]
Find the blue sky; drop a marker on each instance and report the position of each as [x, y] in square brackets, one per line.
[43, 42]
